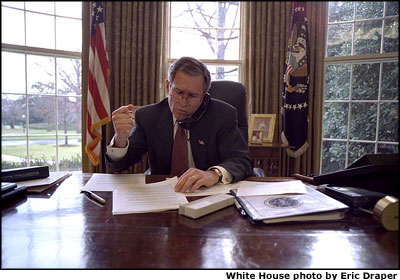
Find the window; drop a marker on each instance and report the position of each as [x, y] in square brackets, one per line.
[361, 82]
[209, 31]
[41, 84]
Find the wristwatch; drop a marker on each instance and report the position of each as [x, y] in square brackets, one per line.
[219, 173]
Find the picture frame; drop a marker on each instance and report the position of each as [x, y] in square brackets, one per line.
[264, 122]
[256, 136]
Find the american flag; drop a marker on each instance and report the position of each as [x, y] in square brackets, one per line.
[98, 103]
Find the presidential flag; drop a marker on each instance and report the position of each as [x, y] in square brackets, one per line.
[98, 103]
[296, 84]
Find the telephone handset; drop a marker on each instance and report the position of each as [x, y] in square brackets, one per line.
[190, 122]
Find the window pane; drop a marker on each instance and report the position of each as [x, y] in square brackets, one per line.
[12, 26]
[69, 9]
[390, 81]
[69, 76]
[388, 149]
[42, 115]
[13, 152]
[363, 121]
[357, 150]
[365, 81]
[70, 155]
[36, 26]
[367, 10]
[204, 30]
[333, 156]
[205, 14]
[340, 11]
[42, 151]
[335, 120]
[368, 37]
[392, 8]
[389, 122]
[69, 115]
[69, 34]
[339, 40]
[337, 82]
[43, 7]
[41, 78]
[13, 115]
[12, 73]
[391, 35]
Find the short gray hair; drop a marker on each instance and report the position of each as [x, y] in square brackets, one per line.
[192, 67]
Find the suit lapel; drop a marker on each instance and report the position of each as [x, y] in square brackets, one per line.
[164, 131]
[198, 143]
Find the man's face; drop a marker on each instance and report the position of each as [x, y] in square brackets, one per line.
[185, 94]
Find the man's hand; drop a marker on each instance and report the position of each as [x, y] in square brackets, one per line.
[194, 178]
[123, 124]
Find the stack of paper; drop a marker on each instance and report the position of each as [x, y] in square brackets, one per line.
[142, 198]
[39, 185]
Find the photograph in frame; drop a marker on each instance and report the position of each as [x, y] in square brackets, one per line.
[264, 122]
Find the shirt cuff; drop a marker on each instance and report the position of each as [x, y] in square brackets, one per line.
[226, 176]
[115, 153]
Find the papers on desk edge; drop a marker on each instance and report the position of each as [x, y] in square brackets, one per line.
[39, 185]
[279, 208]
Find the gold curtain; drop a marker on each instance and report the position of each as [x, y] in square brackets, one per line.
[267, 29]
[135, 41]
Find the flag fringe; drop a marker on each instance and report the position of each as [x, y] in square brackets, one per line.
[90, 146]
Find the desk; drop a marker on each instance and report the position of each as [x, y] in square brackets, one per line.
[268, 157]
[64, 229]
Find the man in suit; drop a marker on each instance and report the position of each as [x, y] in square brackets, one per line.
[216, 149]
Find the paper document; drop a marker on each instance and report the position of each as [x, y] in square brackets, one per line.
[248, 188]
[216, 189]
[106, 182]
[142, 198]
[39, 185]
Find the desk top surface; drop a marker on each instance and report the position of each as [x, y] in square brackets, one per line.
[61, 228]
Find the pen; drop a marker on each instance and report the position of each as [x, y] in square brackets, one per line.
[239, 208]
[94, 196]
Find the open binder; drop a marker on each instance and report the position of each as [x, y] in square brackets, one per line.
[313, 206]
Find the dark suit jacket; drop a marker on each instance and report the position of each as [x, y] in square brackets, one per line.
[214, 140]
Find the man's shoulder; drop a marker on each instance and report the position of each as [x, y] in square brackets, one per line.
[152, 108]
[220, 106]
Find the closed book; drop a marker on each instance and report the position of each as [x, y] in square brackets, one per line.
[354, 197]
[283, 208]
[24, 173]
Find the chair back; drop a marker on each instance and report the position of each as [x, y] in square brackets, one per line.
[233, 93]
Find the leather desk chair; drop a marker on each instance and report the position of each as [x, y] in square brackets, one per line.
[234, 93]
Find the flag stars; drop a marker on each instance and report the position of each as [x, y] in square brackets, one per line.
[296, 106]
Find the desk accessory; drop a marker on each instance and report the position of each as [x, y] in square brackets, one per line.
[203, 206]
[354, 197]
[94, 196]
[24, 173]
[386, 212]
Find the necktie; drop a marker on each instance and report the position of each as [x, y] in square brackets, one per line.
[179, 153]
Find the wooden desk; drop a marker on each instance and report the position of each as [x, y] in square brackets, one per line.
[268, 157]
[64, 229]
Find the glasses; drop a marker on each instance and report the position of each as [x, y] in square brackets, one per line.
[191, 97]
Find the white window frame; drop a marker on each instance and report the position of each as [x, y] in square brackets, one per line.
[27, 50]
[360, 59]
[237, 63]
